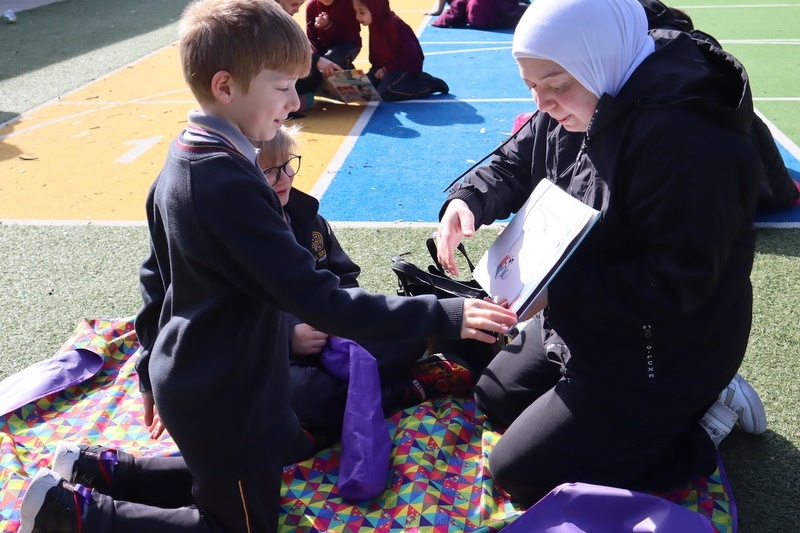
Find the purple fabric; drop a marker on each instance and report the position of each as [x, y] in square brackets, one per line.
[586, 508]
[366, 446]
[46, 377]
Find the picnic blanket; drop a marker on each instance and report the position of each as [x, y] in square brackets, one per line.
[437, 481]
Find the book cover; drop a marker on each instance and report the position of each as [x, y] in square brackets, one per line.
[529, 252]
[351, 87]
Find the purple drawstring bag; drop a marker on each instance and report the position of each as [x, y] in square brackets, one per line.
[366, 446]
[64, 369]
[587, 508]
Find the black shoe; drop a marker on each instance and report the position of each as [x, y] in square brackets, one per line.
[52, 505]
[91, 466]
[438, 85]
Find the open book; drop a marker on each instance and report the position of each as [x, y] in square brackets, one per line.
[350, 86]
[530, 251]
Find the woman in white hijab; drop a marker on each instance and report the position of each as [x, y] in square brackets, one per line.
[618, 380]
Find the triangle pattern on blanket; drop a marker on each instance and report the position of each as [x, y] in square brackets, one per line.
[438, 481]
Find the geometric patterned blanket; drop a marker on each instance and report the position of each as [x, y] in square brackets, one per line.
[437, 483]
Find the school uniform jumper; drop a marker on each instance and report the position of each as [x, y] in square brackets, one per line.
[223, 266]
[649, 319]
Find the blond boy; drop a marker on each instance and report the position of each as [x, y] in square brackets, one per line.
[223, 267]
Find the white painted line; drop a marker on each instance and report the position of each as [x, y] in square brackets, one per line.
[55, 121]
[344, 150]
[781, 137]
[760, 41]
[736, 6]
[467, 50]
[470, 43]
[777, 99]
[139, 148]
[23, 222]
[402, 224]
[464, 100]
[57, 99]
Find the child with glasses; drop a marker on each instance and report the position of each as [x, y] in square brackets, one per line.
[319, 397]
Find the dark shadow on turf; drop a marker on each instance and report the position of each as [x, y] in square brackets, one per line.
[63, 30]
[763, 473]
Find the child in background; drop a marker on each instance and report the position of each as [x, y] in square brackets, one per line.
[334, 33]
[223, 266]
[319, 397]
[480, 14]
[291, 6]
[395, 54]
[308, 85]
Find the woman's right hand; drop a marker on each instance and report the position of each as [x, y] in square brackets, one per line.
[457, 222]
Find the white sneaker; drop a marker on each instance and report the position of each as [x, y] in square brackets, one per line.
[738, 403]
[741, 398]
[718, 421]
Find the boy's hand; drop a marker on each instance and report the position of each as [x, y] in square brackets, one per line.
[457, 223]
[149, 407]
[307, 341]
[380, 73]
[327, 67]
[157, 427]
[483, 316]
[151, 418]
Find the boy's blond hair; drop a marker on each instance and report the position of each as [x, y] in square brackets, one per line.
[242, 37]
[282, 146]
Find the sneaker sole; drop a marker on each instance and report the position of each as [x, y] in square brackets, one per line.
[33, 500]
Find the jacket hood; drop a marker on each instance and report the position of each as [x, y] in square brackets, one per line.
[379, 9]
[661, 16]
[686, 71]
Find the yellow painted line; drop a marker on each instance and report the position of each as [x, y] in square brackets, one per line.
[92, 154]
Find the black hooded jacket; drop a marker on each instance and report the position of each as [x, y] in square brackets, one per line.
[658, 296]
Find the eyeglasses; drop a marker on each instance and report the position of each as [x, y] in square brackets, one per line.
[290, 168]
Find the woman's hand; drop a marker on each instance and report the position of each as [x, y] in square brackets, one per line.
[457, 222]
[327, 67]
[480, 317]
[380, 73]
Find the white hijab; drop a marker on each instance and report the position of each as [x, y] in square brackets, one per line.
[599, 42]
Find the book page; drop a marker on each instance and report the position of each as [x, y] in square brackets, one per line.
[531, 249]
[351, 86]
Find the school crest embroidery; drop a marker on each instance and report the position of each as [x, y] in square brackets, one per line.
[318, 246]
